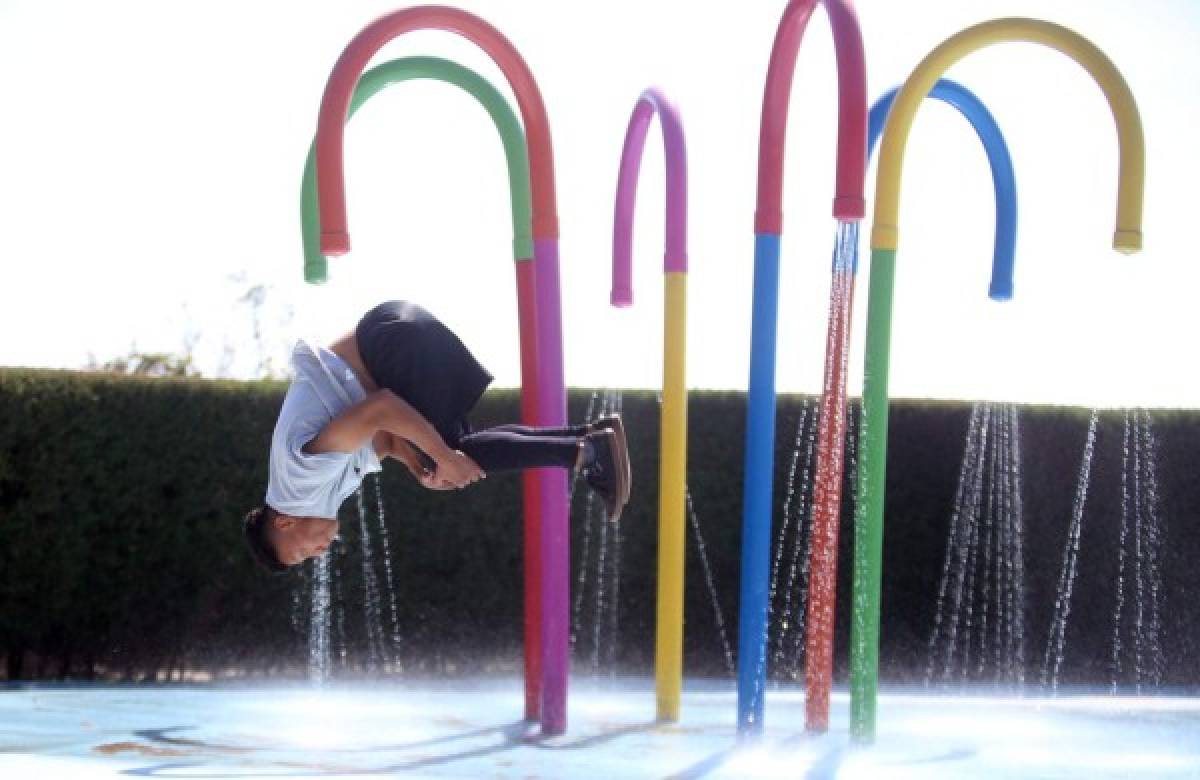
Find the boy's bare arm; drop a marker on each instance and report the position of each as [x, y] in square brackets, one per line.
[388, 446]
[385, 411]
[414, 460]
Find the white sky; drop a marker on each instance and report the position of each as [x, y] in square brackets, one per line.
[151, 155]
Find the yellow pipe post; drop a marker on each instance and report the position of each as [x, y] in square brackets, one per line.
[672, 487]
[672, 478]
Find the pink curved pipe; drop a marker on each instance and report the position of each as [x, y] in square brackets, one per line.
[540, 301]
[848, 202]
[335, 238]
[650, 102]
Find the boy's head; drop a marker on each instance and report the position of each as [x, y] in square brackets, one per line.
[278, 541]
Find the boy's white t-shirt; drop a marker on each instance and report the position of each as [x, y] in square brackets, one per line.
[315, 485]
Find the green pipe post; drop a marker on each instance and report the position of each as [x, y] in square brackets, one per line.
[512, 135]
[868, 531]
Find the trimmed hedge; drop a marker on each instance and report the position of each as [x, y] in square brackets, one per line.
[121, 554]
[120, 498]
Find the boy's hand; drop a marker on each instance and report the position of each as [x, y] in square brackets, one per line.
[431, 481]
[457, 470]
[404, 452]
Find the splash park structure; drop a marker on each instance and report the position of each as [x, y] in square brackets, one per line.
[478, 727]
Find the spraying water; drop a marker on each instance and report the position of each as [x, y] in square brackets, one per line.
[1153, 526]
[617, 407]
[978, 631]
[371, 613]
[599, 570]
[820, 559]
[965, 598]
[790, 491]
[1014, 563]
[1139, 507]
[585, 545]
[607, 577]
[381, 645]
[853, 419]
[581, 581]
[601, 605]
[297, 616]
[710, 583]
[955, 560]
[328, 638]
[385, 549]
[791, 621]
[337, 608]
[599, 566]
[319, 623]
[1056, 642]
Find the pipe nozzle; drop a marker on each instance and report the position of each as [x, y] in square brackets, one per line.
[316, 271]
[1127, 242]
[335, 244]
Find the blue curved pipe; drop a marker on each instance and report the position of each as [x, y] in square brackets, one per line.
[1003, 178]
[760, 413]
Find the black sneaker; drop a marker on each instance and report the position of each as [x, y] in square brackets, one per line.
[613, 423]
[605, 472]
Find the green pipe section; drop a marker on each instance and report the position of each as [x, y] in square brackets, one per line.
[868, 535]
[511, 135]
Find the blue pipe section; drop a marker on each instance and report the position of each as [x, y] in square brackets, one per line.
[760, 413]
[756, 497]
[1003, 178]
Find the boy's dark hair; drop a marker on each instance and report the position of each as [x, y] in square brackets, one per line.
[255, 526]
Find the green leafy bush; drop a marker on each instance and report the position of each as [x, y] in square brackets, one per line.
[121, 500]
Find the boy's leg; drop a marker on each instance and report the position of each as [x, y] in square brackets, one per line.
[576, 431]
[507, 452]
[608, 422]
[497, 449]
[514, 447]
[601, 456]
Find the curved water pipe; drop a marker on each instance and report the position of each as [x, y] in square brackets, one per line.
[672, 471]
[512, 138]
[827, 501]
[868, 532]
[848, 205]
[1004, 180]
[539, 306]
[516, 156]
[507, 125]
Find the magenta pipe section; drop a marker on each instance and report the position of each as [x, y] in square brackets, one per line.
[848, 201]
[556, 568]
[650, 102]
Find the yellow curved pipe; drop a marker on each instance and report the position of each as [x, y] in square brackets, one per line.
[672, 475]
[1132, 171]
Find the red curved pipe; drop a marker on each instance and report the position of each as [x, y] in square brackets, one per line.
[848, 202]
[335, 240]
[335, 103]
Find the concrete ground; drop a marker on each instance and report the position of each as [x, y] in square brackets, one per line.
[473, 729]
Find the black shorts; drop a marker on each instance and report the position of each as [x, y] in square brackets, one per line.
[407, 350]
